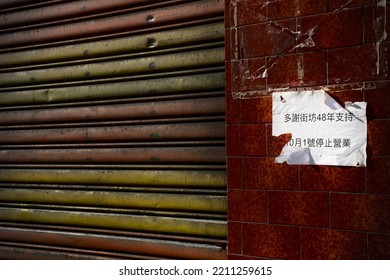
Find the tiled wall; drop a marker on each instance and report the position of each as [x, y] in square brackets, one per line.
[280, 211]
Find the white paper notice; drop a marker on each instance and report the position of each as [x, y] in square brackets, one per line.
[323, 132]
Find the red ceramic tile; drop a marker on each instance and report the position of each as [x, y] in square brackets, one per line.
[287, 8]
[275, 144]
[251, 11]
[345, 4]
[234, 238]
[384, 60]
[378, 247]
[297, 69]
[256, 110]
[233, 46]
[299, 208]
[378, 175]
[378, 101]
[332, 178]
[228, 46]
[232, 104]
[264, 39]
[247, 75]
[354, 64]
[332, 30]
[245, 140]
[376, 23]
[233, 108]
[360, 212]
[229, 13]
[247, 206]
[347, 96]
[378, 141]
[233, 143]
[233, 172]
[324, 244]
[263, 173]
[268, 241]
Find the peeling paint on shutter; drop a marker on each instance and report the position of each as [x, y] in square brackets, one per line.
[112, 130]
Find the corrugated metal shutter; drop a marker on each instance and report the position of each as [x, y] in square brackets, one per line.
[112, 132]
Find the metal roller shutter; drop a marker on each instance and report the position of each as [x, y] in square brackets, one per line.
[112, 129]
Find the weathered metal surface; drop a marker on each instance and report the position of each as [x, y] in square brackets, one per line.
[114, 232]
[124, 67]
[179, 178]
[210, 142]
[134, 200]
[190, 131]
[13, 3]
[108, 47]
[116, 155]
[112, 130]
[16, 252]
[134, 245]
[120, 211]
[66, 10]
[159, 224]
[139, 88]
[142, 110]
[204, 8]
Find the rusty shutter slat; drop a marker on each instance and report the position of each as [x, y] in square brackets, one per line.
[192, 10]
[117, 46]
[139, 110]
[112, 132]
[110, 242]
[135, 88]
[61, 11]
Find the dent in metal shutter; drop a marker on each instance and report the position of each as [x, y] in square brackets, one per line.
[112, 132]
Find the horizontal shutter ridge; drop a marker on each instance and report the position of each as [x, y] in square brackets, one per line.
[112, 130]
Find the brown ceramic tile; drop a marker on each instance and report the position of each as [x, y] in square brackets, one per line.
[332, 30]
[247, 206]
[233, 172]
[332, 178]
[297, 69]
[275, 144]
[325, 244]
[263, 173]
[265, 39]
[378, 101]
[347, 96]
[232, 110]
[228, 13]
[232, 104]
[251, 11]
[378, 142]
[256, 110]
[360, 212]
[228, 46]
[384, 60]
[234, 47]
[234, 238]
[268, 241]
[299, 208]
[370, 24]
[287, 8]
[233, 145]
[245, 140]
[247, 75]
[352, 64]
[344, 4]
[378, 175]
[378, 247]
